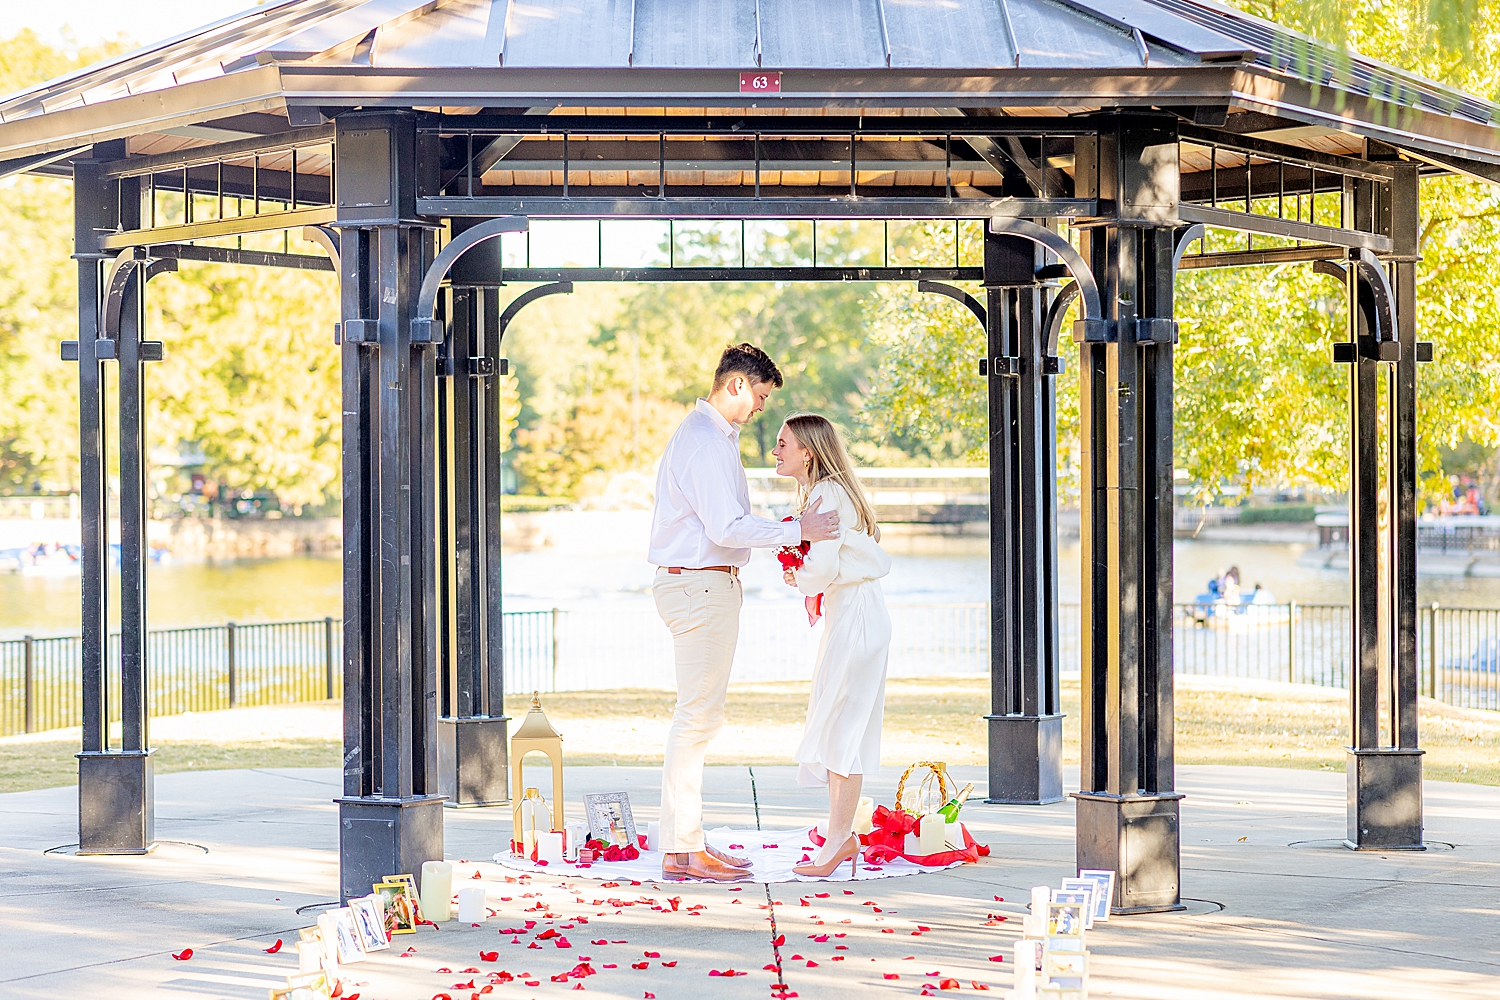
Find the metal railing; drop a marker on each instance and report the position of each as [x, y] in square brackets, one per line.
[223, 666]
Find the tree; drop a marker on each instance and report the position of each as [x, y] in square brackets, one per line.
[1258, 402]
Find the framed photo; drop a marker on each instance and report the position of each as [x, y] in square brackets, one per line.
[1104, 897]
[416, 901]
[369, 923]
[609, 818]
[399, 910]
[1083, 896]
[350, 949]
[1065, 920]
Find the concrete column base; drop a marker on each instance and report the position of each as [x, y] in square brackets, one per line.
[473, 761]
[116, 802]
[1138, 837]
[380, 837]
[1025, 759]
[1385, 800]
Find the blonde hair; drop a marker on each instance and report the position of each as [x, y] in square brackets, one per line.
[830, 460]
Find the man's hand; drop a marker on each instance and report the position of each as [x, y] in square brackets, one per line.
[819, 527]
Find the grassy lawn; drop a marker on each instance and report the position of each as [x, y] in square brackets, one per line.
[1217, 723]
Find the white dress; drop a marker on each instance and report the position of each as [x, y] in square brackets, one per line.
[848, 686]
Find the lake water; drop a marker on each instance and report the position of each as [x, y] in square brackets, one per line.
[597, 562]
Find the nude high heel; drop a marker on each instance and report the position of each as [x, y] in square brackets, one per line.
[849, 852]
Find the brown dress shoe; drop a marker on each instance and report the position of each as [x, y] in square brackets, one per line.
[729, 859]
[702, 866]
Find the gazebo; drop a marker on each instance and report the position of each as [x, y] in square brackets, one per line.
[1092, 141]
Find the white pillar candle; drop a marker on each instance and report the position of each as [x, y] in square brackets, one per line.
[471, 908]
[653, 836]
[864, 816]
[930, 834]
[1026, 962]
[437, 891]
[549, 847]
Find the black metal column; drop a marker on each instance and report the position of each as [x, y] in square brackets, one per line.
[1127, 809]
[473, 745]
[1025, 726]
[116, 813]
[1384, 767]
[390, 816]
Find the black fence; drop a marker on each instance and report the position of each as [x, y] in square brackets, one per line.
[223, 666]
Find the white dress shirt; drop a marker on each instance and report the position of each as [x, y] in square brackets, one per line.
[702, 515]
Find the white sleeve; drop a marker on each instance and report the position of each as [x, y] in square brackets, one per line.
[707, 483]
[820, 567]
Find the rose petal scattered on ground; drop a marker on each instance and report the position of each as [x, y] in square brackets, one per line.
[997, 958]
[893, 975]
[274, 948]
[949, 984]
[183, 955]
[669, 965]
[489, 956]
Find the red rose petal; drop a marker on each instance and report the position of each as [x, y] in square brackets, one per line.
[949, 984]
[489, 956]
[978, 985]
[183, 955]
[997, 958]
[892, 975]
[645, 965]
[779, 940]
[652, 954]
[669, 965]
[821, 895]
[475, 875]
[811, 964]
[274, 948]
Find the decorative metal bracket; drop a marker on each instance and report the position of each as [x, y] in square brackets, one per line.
[1184, 238]
[1377, 302]
[958, 295]
[423, 326]
[121, 271]
[521, 302]
[326, 237]
[1093, 328]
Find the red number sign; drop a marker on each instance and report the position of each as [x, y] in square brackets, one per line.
[760, 83]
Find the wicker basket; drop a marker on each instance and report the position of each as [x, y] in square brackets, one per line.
[931, 794]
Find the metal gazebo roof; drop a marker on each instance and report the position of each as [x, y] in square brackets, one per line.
[290, 62]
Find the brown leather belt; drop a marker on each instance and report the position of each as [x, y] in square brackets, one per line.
[679, 570]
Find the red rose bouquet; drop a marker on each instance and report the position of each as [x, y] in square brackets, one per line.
[792, 558]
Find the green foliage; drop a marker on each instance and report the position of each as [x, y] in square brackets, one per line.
[251, 374]
[1281, 513]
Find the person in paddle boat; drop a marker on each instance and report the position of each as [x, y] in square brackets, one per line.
[840, 578]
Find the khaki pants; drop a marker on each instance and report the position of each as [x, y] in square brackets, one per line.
[703, 611]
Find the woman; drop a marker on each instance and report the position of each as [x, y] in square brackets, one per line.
[844, 713]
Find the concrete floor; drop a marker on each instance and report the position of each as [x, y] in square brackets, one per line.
[1275, 907]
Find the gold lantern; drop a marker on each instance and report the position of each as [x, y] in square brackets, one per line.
[535, 735]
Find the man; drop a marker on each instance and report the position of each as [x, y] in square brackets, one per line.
[702, 532]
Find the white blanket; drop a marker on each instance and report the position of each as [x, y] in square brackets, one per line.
[772, 854]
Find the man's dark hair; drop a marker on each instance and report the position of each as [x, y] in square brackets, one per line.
[747, 360]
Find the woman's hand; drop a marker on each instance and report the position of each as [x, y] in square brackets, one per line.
[789, 577]
[877, 534]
